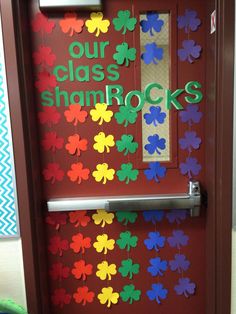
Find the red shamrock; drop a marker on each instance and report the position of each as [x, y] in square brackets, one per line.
[82, 270]
[60, 297]
[58, 271]
[75, 114]
[49, 115]
[83, 295]
[80, 243]
[44, 56]
[56, 219]
[76, 145]
[77, 172]
[71, 23]
[45, 81]
[41, 23]
[79, 218]
[53, 173]
[52, 142]
[57, 245]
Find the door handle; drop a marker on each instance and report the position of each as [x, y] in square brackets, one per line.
[190, 201]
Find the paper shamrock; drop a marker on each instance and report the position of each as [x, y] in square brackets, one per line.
[152, 53]
[70, 24]
[127, 241]
[80, 243]
[153, 215]
[42, 24]
[189, 21]
[127, 173]
[46, 81]
[103, 142]
[83, 295]
[191, 114]
[76, 145]
[155, 145]
[157, 267]
[49, 116]
[60, 297]
[82, 270]
[57, 245]
[124, 54]
[155, 241]
[130, 294]
[155, 116]
[127, 144]
[155, 171]
[126, 116]
[103, 172]
[108, 296]
[104, 244]
[59, 271]
[78, 173]
[152, 23]
[75, 114]
[97, 24]
[127, 268]
[158, 292]
[125, 217]
[52, 142]
[190, 51]
[103, 217]
[190, 141]
[101, 114]
[105, 271]
[56, 219]
[180, 263]
[44, 56]
[79, 218]
[178, 239]
[190, 167]
[124, 21]
[176, 215]
[53, 173]
[185, 287]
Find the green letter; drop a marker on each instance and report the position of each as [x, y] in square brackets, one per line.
[113, 69]
[94, 94]
[198, 94]
[46, 95]
[96, 70]
[147, 93]
[77, 94]
[140, 97]
[117, 95]
[103, 45]
[171, 99]
[58, 94]
[95, 50]
[85, 75]
[79, 54]
[62, 68]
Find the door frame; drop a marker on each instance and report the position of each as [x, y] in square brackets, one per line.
[219, 129]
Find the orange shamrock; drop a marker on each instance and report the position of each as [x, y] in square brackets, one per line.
[76, 145]
[77, 172]
[80, 243]
[75, 114]
[83, 295]
[82, 270]
[71, 23]
[79, 218]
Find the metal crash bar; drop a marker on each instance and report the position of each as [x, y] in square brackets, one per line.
[190, 201]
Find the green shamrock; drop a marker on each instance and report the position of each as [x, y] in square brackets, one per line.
[127, 241]
[128, 268]
[127, 173]
[126, 116]
[127, 144]
[130, 294]
[126, 217]
[124, 21]
[124, 54]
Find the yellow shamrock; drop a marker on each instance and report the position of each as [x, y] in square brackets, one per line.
[105, 270]
[103, 172]
[103, 217]
[108, 296]
[103, 243]
[103, 142]
[101, 112]
[97, 23]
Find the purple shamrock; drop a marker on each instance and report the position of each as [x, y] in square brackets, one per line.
[190, 51]
[185, 287]
[153, 215]
[152, 22]
[154, 241]
[189, 21]
[155, 116]
[180, 263]
[178, 239]
[176, 215]
[191, 114]
[155, 144]
[157, 266]
[158, 292]
[190, 167]
[152, 54]
[190, 141]
[155, 171]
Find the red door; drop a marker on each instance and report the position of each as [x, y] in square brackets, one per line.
[120, 113]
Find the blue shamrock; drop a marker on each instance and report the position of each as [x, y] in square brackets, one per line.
[152, 22]
[154, 241]
[180, 263]
[155, 171]
[189, 21]
[155, 116]
[185, 287]
[153, 53]
[153, 215]
[154, 143]
[190, 51]
[178, 239]
[176, 215]
[157, 266]
[158, 292]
